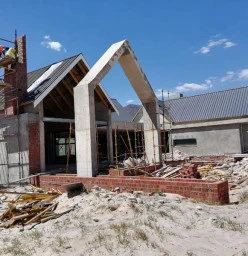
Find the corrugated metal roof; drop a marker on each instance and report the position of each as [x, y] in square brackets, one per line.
[34, 75]
[230, 103]
[123, 116]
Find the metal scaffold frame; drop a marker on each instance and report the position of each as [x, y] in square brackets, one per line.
[8, 94]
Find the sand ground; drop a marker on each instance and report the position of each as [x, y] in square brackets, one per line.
[108, 223]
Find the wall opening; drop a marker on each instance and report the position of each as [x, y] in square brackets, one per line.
[185, 142]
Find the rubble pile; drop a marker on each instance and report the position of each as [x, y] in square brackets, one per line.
[189, 171]
[235, 173]
[175, 156]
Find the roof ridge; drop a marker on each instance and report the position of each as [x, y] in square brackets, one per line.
[230, 89]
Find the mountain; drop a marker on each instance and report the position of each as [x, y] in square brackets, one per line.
[132, 109]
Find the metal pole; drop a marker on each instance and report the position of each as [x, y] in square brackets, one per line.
[68, 149]
[135, 144]
[170, 126]
[2, 39]
[116, 149]
[129, 141]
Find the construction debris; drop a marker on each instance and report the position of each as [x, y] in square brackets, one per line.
[189, 171]
[236, 173]
[176, 155]
[24, 208]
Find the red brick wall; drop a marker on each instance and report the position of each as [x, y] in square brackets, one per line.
[34, 148]
[17, 79]
[213, 192]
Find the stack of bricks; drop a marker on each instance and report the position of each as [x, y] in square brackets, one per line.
[189, 171]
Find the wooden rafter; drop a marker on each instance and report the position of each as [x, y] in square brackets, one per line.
[68, 87]
[68, 103]
[82, 68]
[99, 93]
[49, 104]
[55, 101]
[74, 77]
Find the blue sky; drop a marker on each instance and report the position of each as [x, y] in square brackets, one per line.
[188, 47]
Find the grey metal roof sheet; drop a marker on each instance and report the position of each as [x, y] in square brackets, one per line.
[34, 75]
[232, 103]
[123, 116]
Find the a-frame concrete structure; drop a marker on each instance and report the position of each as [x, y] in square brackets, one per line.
[84, 105]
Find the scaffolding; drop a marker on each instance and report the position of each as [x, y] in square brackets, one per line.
[9, 96]
[7, 63]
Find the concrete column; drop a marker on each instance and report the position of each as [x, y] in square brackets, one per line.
[152, 132]
[110, 138]
[42, 138]
[85, 130]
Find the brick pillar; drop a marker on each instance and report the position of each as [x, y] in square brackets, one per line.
[17, 79]
[34, 148]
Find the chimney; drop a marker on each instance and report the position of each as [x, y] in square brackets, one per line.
[16, 76]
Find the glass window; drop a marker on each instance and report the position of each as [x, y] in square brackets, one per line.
[185, 142]
[62, 146]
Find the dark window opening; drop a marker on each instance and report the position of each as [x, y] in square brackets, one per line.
[184, 142]
[62, 146]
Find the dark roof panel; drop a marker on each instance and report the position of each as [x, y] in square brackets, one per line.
[44, 85]
[230, 103]
[123, 116]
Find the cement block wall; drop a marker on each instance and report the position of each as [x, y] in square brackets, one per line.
[14, 149]
[244, 135]
[211, 140]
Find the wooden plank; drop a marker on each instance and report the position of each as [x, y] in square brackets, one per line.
[67, 86]
[84, 70]
[23, 193]
[74, 77]
[40, 214]
[22, 216]
[8, 223]
[54, 216]
[100, 95]
[173, 171]
[68, 103]
[56, 102]
[49, 103]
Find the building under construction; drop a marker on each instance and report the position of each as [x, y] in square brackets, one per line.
[39, 123]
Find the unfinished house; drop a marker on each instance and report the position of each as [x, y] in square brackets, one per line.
[37, 116]
[214, 123]
[40, 117]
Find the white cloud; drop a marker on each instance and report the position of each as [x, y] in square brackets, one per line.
[159, 93]
[47, 37]
[213, 43]
[229, 44]
[243, 74]
[130, 101]
[204, 50]
[186, 87]
[229, 75]
[53, 45]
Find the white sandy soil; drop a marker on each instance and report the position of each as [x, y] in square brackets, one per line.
[108, 223]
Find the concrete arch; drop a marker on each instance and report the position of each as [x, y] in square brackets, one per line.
[85, 127]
